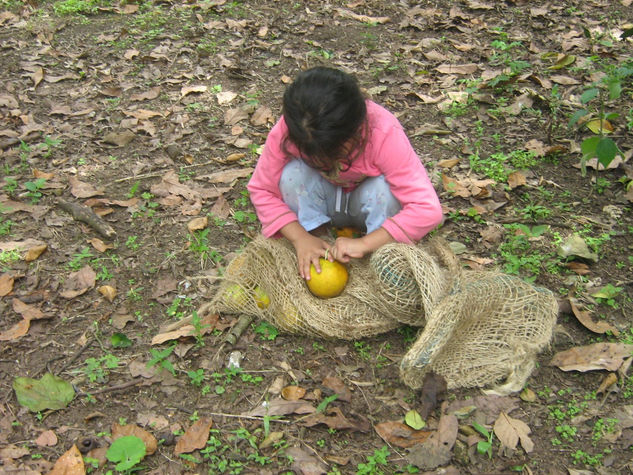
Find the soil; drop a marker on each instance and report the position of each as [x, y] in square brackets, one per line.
[105, 108]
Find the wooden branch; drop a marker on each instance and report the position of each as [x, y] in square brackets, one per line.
[86, 215]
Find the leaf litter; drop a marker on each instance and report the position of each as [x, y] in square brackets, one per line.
[220, 102]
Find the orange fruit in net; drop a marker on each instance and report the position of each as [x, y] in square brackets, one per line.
[330, 282]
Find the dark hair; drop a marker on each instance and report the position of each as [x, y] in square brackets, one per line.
[325, 112]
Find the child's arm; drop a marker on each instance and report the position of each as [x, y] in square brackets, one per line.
[345, 248]
[309, 247]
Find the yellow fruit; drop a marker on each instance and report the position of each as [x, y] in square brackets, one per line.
[330, 282]
[235, 296]
[347, 231]
[261, 298]
[289, 318]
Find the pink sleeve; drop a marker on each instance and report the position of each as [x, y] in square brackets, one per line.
[409, 182]
[263, 186]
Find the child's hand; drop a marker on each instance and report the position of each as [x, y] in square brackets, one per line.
[345, 248]
[309, 249]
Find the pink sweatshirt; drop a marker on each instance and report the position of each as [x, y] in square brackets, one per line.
[388, 152]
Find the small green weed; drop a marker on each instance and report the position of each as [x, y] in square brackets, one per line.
[374, 462]
[97, 369]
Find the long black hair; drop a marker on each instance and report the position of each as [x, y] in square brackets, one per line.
[326, 115]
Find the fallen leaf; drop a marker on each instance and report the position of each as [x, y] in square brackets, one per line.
[338, 386]
[107, 291]
[362, 18]
[6, 284]
[401, 435]
[225, 97]
[455, 187]
[227, 176]
[304, 463]
[293, 393]
[48, 392]
[99, 245]
[153, 93]
[70, 463]
[608, 382]
[195, 437]
[448, 163]
[81, 189]
[510, 431]
[34, 252]
[185, 90]
[436, 450]
[457, 68]
[37, 76]
[197, 224]
[46, 439]
[597, 356]
[335, 419]
[148, 439]
[120, 139]
[433, 392]
[79, 282]
[262, 116]
[516, 179]
[28, 312]
[233, 116]
[16, 331]
[281, 407]
[584, 317]
[413, 419]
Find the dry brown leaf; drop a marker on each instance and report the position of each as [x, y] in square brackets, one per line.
[46, 439]
[457, 68]
[129, 8]
[197, 224]
[281, 407]
[120, 139]
[304, 463]
[37, 76]
[70, 463]
[362, 18]
[131, 53]
[337, 385]
[584, 317]
[454, 187]
[80, 189]
[335, 419]
[293, 393]
[16, 331]
[142, 114]
[148, 439]
[195, 437]
[107, 291]
[400, 434]
[153, 93]
[6, 284]
[597, 356]
[225, 97]
[40, 174]
[448, 163]
[185, 90]
[510, 431]
[262, 116]
[433, 392]
[516, 179]
[608, 382]
[28, 312]
[579, 268]
[436, 450]
[79, 282]
[564, 80]
[221, 208]
[235, 115]
[227, 176]
[99, 245]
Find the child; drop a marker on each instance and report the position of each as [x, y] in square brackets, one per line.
[335, 157]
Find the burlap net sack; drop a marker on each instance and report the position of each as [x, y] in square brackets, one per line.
[477, 328]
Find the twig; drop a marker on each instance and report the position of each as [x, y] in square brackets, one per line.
[237, 416]
[236, 330]
[117, 387]
[156, 175]
[76, 355]
[86, 215]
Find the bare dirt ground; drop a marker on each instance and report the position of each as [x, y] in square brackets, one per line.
[152, 115]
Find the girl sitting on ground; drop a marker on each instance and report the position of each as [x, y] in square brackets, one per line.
[337, 158]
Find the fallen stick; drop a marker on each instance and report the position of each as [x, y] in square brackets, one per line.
[86, 215]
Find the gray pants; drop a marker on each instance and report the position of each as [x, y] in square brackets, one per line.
[316, 201]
